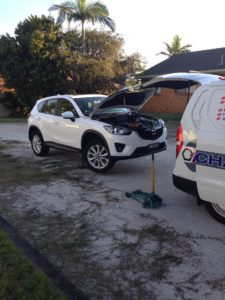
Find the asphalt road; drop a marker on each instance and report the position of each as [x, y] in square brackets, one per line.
[13, 132]
[179, 208]
[201, 276]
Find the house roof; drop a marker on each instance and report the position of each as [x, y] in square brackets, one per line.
[206, 61]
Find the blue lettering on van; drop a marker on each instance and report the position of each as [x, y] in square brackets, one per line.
[210, 159]
[201, 158]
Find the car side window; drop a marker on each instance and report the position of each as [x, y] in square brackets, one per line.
[40, 106]
[66, 105]
[50, 107]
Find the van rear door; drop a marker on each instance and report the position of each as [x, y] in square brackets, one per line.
[210, 152]
[179, 80]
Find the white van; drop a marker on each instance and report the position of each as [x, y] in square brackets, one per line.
[200, 164]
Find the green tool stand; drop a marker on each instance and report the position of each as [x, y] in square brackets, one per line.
[148, 200]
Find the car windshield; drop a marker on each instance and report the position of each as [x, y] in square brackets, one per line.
[88, 104]
[113, 110]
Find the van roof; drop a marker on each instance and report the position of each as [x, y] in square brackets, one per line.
[181, 80]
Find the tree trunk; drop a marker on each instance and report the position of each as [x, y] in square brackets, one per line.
[83, 37]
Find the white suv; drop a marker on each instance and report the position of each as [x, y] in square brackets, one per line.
[104, 129]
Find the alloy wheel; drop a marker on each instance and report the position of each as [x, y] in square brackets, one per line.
[98, 156]
[36, 143]
[219, 208]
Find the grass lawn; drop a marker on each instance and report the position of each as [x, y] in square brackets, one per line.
[19, 279]
[12, 119]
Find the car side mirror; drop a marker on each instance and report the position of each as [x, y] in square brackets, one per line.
[68, 115]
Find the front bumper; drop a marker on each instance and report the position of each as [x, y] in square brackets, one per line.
[143, 151]
[134, 146]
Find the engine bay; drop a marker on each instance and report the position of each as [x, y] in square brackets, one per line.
[147, 127]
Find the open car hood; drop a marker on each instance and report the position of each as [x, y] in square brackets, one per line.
[130, 98]
[139, 95]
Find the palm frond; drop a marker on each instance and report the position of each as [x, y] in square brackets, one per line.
[83, 11]
[163, 53]
[175, 47]
[98, 12]
[64, 9]
[106, 21]
[99, 5]
[63, 6]
[186, 48]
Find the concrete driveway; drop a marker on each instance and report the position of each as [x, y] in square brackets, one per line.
[109, 245]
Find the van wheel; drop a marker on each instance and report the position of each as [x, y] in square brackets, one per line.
[97, 157]
[217, 211]
[38, 146]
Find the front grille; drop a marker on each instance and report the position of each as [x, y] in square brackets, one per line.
[150, 134]
[156, 147]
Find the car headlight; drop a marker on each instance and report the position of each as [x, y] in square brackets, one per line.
[162, 123]
[118, 130]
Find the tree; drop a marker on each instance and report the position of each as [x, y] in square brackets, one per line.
[9, 101]
[82, 11]
[94, 70]
[103, 68]
[175, 47]
[132, 64]
[41, 60]
[32, 62]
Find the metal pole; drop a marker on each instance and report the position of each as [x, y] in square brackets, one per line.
[153, 174]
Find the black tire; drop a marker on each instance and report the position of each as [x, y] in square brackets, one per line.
[97, 157]
[217, 211]
[37, 144]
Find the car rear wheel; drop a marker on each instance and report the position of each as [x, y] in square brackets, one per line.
[217, 211]
[38, 145]
[97, 157]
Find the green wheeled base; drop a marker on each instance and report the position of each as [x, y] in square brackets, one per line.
[148, 200]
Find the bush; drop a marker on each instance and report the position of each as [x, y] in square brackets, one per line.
[10, 102]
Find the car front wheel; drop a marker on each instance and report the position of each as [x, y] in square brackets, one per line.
[217, 211]
[97, 157]
[38, 145]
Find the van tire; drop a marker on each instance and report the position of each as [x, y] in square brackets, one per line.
[216, 211]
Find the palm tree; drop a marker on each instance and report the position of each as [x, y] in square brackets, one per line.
[175, 47]
[82, 11]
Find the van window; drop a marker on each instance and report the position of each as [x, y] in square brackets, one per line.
[216, 109]
[185, 91]
[198, 109]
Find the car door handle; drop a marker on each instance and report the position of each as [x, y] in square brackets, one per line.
[39, 119]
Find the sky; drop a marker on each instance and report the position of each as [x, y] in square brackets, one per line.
[144, 24]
